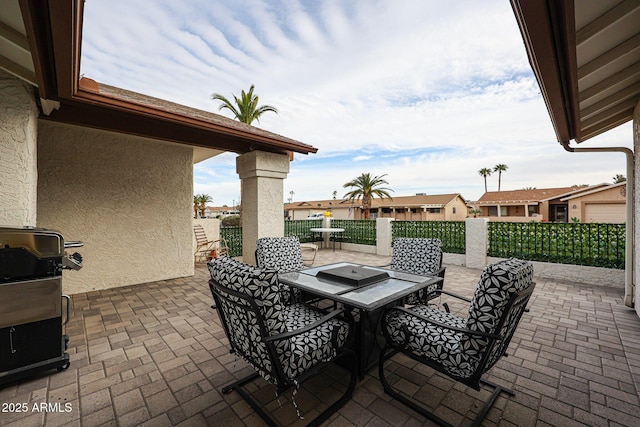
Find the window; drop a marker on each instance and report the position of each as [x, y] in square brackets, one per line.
[434, 210]
[454, 209]
[493, 211]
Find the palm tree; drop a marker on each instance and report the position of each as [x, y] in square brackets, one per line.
[500, 168]
[199, 204]
[196, 205]
[485, 172]
[246, 106]
[365, 187]
[619, 178]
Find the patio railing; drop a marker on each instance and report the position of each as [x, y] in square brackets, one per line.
[301, 228]
[598, 245]
[451, 233]
[362, 232]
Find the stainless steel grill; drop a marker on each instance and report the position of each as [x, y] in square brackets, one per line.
[31, 309]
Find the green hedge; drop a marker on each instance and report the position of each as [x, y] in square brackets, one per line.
[451, 233]
[301, 228]
[360, 231]
[598, 245]
[233, 237]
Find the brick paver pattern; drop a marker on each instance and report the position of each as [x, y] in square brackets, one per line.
[155, 354]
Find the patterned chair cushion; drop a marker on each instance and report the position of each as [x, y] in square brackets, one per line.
[417, 256]
[431, 341]
[306, 350]
[295, 354]
[282, 254]
[497, 283]
[458, 353]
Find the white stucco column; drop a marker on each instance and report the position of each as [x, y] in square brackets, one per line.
[18, 142]
[262, 174]
[383, 236]
[476, 242]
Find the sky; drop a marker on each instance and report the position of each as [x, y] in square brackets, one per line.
[424, 92]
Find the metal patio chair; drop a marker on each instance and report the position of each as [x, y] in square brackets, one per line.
[283, 254]
[422, 256]
[285, 344]
[462, 348]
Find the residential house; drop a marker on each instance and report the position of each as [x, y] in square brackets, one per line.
[110, 167]
[421, 207]
[603, 204]
[585, 56]
[544, 204]
[220, 211]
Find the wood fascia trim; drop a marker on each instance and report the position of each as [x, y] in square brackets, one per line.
[87, 93]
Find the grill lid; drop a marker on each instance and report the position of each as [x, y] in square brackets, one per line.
[30, 253]
[39, 241]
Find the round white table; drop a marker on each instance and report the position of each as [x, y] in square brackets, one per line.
[328, 231]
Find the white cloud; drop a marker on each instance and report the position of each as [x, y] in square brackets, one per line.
[424, 91]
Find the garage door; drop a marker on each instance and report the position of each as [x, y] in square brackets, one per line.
[605, 212]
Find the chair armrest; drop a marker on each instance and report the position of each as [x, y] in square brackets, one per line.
[306, 328]
[451, 294]
[443, 325]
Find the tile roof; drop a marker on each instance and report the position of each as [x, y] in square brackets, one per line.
[534, 195]
[399, 201]
[183, 110]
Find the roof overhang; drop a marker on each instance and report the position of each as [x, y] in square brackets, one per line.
[50, 31]
[586, 57]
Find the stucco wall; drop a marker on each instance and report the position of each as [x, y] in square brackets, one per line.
[577, 206]
[129, 199]
[18, 136]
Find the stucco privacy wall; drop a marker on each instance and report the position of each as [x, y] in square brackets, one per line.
[129, 199]
[18, 136]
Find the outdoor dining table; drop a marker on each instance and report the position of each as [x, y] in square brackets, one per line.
[328, 231]
[364, 290]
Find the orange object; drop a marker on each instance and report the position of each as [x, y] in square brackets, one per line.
[212, 255]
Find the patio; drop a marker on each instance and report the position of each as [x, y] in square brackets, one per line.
[154, 354]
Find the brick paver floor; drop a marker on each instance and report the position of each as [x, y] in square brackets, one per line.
[155, 354]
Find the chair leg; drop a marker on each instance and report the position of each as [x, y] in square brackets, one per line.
[497, 389]
[389, 352]
[399, 397]
[322, 417]
[237, 386]
[353, 370]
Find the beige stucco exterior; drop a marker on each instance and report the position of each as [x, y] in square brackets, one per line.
[18, 137]
[129, 199]
[443, 207]
[612, 198]
[596, 203]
